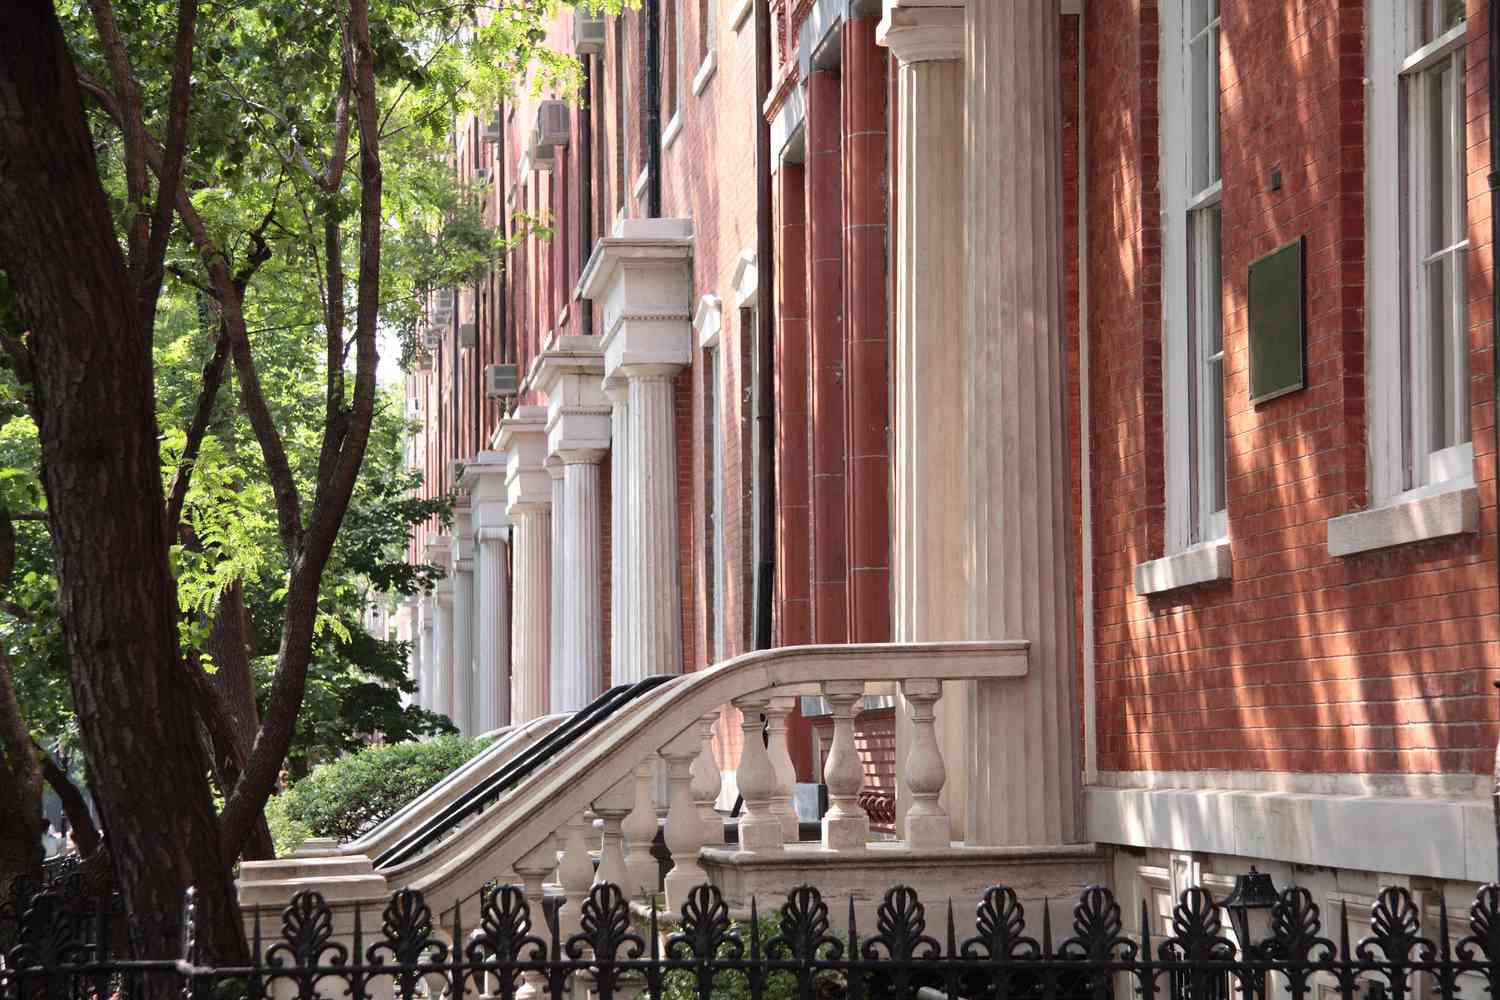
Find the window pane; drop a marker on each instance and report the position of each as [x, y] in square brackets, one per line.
[1207, 352]
[1437, 16]
[1203, 57]
[1437, 337]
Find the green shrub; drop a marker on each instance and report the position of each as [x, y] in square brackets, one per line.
[348, 796]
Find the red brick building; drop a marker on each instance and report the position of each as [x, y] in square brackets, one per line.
[1157, 333]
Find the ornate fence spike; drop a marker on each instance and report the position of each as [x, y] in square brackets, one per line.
[1196, 927]
[1295, 923]
[1484, 926]
[1000, 928]
[306, 933]
[1098, 930]
[606, 928]
[1395, 927]
[803, 927]
[705, 927]
[901, 928]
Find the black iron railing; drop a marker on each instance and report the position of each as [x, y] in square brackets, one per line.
[488, 791]
[796, 951]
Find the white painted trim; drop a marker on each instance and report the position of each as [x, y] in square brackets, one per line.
[1452, 510]
[672, 131]
[1198, 564]
[706, 71]
[709, 320]
[1090, 688]
[740, 14]
[746, 279]
[1439, 838]
[640, 183]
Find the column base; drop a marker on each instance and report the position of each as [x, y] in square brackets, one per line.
[762, 833]
[925, 832]
[845, 833]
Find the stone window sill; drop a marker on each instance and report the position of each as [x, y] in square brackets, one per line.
[672, 131]
[1452, 509]
[740, 14]
[1200, 564]
[705, 72]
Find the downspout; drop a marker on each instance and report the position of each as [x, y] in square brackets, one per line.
[765, 343]
[1494, 79]
[586, 187]
[653, 109]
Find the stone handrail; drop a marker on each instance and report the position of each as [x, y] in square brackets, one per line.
[612, 775]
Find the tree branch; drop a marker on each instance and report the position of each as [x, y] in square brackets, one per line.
[85, 833]
[213, 377]
[133, 127]
[169, 176]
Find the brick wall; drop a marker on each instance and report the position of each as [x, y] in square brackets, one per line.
[1378, 662]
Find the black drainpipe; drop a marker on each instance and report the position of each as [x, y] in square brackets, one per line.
[653, 108]
[765, 343]
[586, 187]
[1494, 79]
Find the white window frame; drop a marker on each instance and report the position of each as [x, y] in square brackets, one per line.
[710, 61]
[1404, 464]
[1191, 192]
[709, 324]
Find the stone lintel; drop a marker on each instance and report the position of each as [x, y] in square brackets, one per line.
[917, 31]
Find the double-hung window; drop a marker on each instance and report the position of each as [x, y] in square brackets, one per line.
[1193, 313]
[1420, 437]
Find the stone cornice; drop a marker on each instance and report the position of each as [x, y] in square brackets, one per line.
[923, 33]
[643, 241]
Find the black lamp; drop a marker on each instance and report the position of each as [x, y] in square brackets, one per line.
[1249, 906]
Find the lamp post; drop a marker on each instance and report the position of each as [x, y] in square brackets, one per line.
[1249, 905]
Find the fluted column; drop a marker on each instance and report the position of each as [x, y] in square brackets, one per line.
[583, 607]
[931, 558]
[424, 649]
[532, 624]
[523, 437]
[492, 613]
[621, 543]
[442, 650]
[1017, 441]
[463, 620]
[484, 478]
[557, 660]
[656, 575]
[414, 658]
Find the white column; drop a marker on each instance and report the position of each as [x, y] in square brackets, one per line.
[442, 650]
[642, 278]
[622, 667]
[654, 576]
[424, 653]
[1021, 536]
[484, 478]
[529, 503]
[531, 625]
[463, 620]
[556, 659]
[931, 557]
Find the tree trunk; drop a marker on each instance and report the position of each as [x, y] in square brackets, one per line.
[93, 401]
[234, 688]
[20, 791]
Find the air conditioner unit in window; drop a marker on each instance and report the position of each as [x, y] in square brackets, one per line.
[491, 133]
[442, 300]
[554, 124]
[413, 407]
[588, 34]
[501, 381]
[468, 335]
[432, 338]
[541, 156]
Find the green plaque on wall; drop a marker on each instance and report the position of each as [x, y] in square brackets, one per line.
[1278, 331]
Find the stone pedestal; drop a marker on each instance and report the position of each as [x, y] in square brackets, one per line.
[529, 503]
[463, 620]
[930, 554]
[578, 435]
[484, 478]
[642, 277]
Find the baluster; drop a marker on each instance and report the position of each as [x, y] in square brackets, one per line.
[642, 871]
[684, 830]
[534, 867]
[575, 872]
[926, 822]
[708, 781]
[786, 772]
[760, 827]
[845, 826]
[612, 807]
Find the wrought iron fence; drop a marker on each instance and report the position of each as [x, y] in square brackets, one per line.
[798, 950]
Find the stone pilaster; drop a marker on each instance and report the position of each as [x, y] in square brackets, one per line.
[931, 561]
[442, 649]
[1024, 756]
[529, 502]
[578, 435]
[412, 633]
[424, 647]
[463, 619]
[484, 478]
[643, 278]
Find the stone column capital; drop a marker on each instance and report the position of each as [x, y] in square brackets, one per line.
[523, 436]
[923, 32]
[464, 566]
[492, 533]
